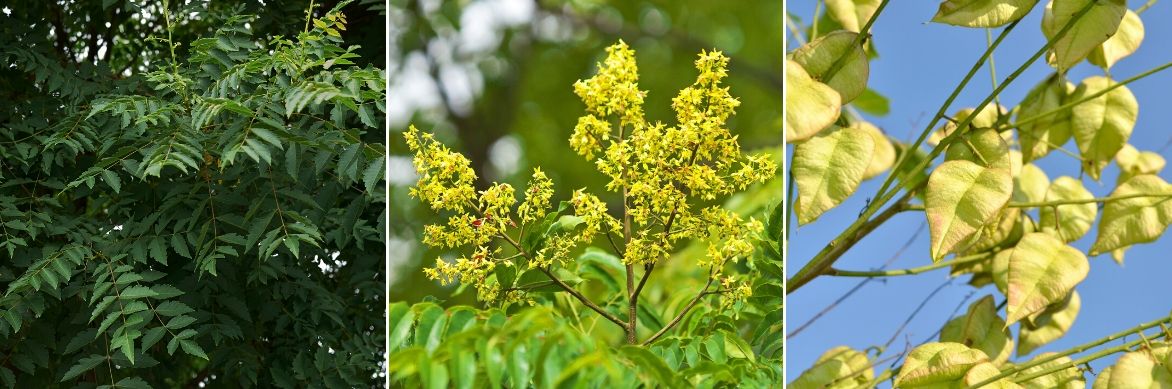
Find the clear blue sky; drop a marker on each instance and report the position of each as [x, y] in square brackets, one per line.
[919, 64]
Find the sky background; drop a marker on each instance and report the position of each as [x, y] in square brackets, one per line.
[918, 66]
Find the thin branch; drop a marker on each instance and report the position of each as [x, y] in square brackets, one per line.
[567, 288]
[860, 285]
[915, 270]
[1087, 98]
[680, 316]
[823, 261]
[1075, 350]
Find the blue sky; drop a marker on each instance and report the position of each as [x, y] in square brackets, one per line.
[919, 64]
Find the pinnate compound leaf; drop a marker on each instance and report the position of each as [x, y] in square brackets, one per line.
[828, 169]
[1134, 220]
[1068, 221]
[982, 13]
[83, 365]
[818, 56]
[937, 363]
[1086, 33]
[1042, 271]
[1102, 125]
[1125, 41]
[1050, 325]
[842, 366]
[810, 105]
[982, 329]
[1051, 131]
[852, 14]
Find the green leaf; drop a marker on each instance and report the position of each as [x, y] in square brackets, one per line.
[982, 13]
[981, 329]
[172, 308]
[1069, 221]
[937, 363]
[1134, 220]
[651, 364]
[1041, 136]
[818, 56]
[83, 365]
[192, 349]
[431, 326]
[1125, 42]
[963, 196]
[1086, 33]
[112, 179]
[1102, 125]
[828, 169]
[872, 102]
[810, 105]
[402, 318]
[137, 292]
[841, 364]
[1042, 271]
[1050, 325]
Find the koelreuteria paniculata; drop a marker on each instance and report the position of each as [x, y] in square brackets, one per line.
[657, 169]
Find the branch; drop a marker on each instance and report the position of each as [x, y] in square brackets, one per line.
[908, 272]
[825, 258]
[567, 288]
[1072, 351]
[864, 224]
[1087, 98]
[1098, 354]
[680, 316]
[1056, 203]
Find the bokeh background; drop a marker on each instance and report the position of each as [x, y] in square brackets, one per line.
[493, 79]
[919, 64]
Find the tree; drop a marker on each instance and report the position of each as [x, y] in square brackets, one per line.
[191, 195]
[991, 212]
[542, 268]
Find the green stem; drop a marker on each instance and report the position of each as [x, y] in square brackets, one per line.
[1090, 97]
[1098, 354]
[821, 264]
[907, 272]
[1145, 7]
[308, 15]
[1080, 348]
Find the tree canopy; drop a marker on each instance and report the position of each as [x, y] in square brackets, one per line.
[191, 194]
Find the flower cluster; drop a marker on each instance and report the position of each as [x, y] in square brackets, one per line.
[536, 197]
[657, 169]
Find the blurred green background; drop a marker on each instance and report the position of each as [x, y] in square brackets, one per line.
[493, 79]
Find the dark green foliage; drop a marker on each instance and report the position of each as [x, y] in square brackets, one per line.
[219, 213]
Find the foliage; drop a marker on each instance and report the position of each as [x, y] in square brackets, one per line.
[212, 219]
[979, 199]
[661, 172]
